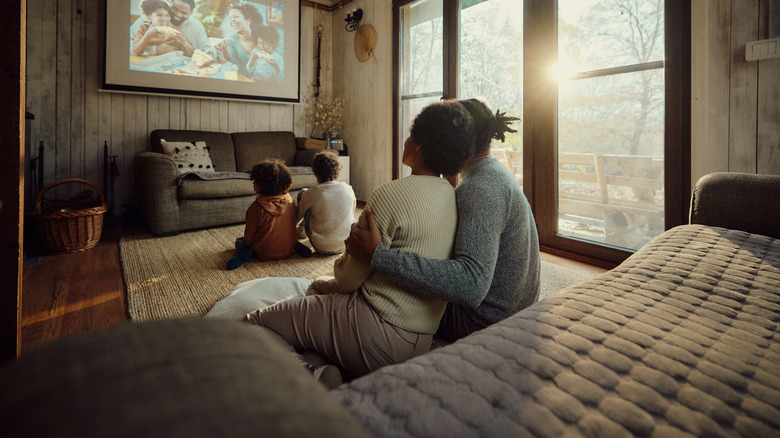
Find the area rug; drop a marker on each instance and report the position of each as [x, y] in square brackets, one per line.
[184, 275]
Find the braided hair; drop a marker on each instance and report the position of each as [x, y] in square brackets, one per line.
[487, 126]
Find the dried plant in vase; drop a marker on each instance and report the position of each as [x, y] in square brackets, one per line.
[325, 112]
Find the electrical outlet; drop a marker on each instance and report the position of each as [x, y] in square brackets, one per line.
[762, 49]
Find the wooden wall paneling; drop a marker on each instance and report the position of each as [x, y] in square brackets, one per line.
[153, 114]
[128, 130]
[103, 121]
[715, 147]
[93, 156]
[126, 180]
[176, 112]
[383, 16]
[117, 139]
[223, 116]
[233, 124]
[699, 96]
[367, 88]
[743, 88]
[285, 120]
[77, 84]
[192, 114]
[203, 117]
[260, 118]
[62, 155]
[33, 99]
[47, 87]
[768, 117]
[213, 115]
[768, 136]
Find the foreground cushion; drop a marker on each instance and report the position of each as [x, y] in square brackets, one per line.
[175, 378]
[256, 294]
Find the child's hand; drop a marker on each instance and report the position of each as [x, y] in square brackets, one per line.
[361, 243]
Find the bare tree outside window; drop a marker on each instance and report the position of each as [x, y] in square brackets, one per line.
[610, 120]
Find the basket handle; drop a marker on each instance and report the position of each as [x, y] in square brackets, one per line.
[39, 198]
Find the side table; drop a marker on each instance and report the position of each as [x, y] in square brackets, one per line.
[344, 176]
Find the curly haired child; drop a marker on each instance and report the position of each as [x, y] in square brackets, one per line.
[270, 220]
[327, 210]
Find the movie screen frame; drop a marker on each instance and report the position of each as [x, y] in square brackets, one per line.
[218, 51]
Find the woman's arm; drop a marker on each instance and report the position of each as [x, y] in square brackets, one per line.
[466, 278]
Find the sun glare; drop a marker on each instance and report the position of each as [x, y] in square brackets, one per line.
[564, 70]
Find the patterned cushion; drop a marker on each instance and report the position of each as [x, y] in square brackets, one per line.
[189, 156]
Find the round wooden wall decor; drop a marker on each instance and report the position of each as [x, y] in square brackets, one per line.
[365, 42]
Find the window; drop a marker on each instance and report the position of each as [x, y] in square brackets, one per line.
[602, 152]
[421, 73]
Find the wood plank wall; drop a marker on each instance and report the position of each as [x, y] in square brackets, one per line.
[735, 111]
[367, 87]
[74, 119]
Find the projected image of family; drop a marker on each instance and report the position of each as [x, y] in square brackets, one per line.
[220, 40]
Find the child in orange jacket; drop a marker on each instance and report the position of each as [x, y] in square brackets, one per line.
[270, 221]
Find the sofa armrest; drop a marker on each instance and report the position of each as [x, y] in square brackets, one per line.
[739, 201]
[157, 191]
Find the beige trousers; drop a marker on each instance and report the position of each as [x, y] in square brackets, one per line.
[344, 328]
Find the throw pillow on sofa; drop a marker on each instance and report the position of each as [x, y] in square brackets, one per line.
[189, 156]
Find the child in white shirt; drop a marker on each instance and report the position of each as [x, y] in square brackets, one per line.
[326, 211]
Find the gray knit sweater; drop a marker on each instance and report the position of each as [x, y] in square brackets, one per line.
[495, 268]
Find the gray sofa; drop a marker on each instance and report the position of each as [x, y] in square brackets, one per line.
[679, 340]
[170, 202]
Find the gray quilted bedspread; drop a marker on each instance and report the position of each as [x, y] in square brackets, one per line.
[679, 340]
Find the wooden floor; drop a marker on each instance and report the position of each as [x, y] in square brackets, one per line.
[69, 294]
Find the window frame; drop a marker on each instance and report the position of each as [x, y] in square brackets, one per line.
[540, 112]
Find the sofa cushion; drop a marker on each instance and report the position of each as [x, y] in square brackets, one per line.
[302, 176]
[189, 156]
[254, 147]
[215, 185]
[221, 150]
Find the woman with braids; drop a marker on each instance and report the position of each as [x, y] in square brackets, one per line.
[495, 269]
[362, 320]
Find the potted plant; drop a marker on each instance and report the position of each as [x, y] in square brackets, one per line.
[325, 112]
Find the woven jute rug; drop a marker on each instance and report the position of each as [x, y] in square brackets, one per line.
[184, 275]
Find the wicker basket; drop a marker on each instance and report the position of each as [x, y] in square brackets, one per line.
[66, 231]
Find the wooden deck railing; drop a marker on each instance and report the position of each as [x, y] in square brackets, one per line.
[597, 186]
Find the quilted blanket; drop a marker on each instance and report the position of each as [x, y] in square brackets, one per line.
[679, 340]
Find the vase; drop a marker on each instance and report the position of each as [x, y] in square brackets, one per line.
[326, 136]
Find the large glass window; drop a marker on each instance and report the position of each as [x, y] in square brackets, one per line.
[491, 66]
[421, 75]
[602, 88]
[611, 121]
